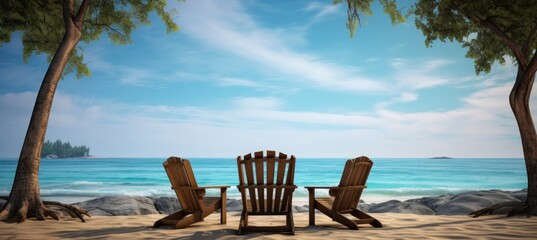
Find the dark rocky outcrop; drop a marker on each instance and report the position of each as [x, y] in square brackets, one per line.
[462, 203]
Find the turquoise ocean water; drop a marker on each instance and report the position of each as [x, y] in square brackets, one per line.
[391, 178]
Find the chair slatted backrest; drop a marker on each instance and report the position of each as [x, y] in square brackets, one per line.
[264, 175]
[182, 177]
[355, 173]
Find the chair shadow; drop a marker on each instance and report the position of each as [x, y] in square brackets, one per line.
[232, 233]
[214, 234]
[102, 232]
[435, 224]
[116, 232]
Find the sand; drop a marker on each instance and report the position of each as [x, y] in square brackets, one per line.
[396, 226]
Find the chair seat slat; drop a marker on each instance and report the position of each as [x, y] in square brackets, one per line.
[262, 194]
[194, 205]
[346, 196]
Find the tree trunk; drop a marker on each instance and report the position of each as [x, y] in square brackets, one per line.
[519, 100]
[24, 199]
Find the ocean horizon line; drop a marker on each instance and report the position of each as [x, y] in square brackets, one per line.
[390, 178]
[430, 158]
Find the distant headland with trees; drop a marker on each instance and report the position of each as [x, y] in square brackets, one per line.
[59, 149]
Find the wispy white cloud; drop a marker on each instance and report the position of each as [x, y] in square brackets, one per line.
[135, 77]
[501, 74]
[24, 76]
[227, 81]
[412, 75]
[255, 103]
[321, 10]
[403, 98]
[483, 127]
[230, 28]
[258, 85]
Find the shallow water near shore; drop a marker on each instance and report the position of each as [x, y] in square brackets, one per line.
[73, 180]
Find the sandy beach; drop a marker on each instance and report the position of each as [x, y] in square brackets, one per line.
[396, 226]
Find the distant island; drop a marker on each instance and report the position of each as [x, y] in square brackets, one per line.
[59, 149]
[442, 157]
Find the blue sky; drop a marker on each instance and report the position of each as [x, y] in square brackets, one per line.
[242, 76]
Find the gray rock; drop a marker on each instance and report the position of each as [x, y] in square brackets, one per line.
[234, 205]
[462, 203]
[99, 212]
[432, 202]
[396, 206]
[167, 205]
[520, 195]
[364, 207]
[383, 206]
[302, 209]
[467, 202]
[120, 206]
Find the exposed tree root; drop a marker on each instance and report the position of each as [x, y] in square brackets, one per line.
[517, 208]
[50, 209]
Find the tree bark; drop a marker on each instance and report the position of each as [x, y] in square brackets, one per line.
[519, 101]
[24, 198]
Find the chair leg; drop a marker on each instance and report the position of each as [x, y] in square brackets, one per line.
[223, 216]
[338, 217]
[241, 223]
[223, 209]
[179, 219]
[312, 206]
[361, 215]
[171, 219]
[188, 220]
[291, 222]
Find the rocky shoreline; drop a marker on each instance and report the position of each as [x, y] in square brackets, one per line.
[456, 204]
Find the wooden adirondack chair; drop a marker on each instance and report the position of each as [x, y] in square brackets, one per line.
[263, 190]
[195, 206]
[345, 197]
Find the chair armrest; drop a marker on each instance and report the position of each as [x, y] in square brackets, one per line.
[184, 188]
[338, 188]
[332, 190]
[311, 190]
[200, 192]
[205, 187]
[349, 187]
[199, 188]
[267, 186]
[319, 187]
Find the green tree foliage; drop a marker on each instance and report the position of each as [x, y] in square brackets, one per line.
[355, 7]
[42, 25]
[493, 30]
[63, 150]
[54, 28]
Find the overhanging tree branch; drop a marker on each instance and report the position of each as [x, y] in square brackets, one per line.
[79, 19]
[532, 67]
[529, 41]
[115, 30]
[68, 13]
[508, 41]
[517, 51]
